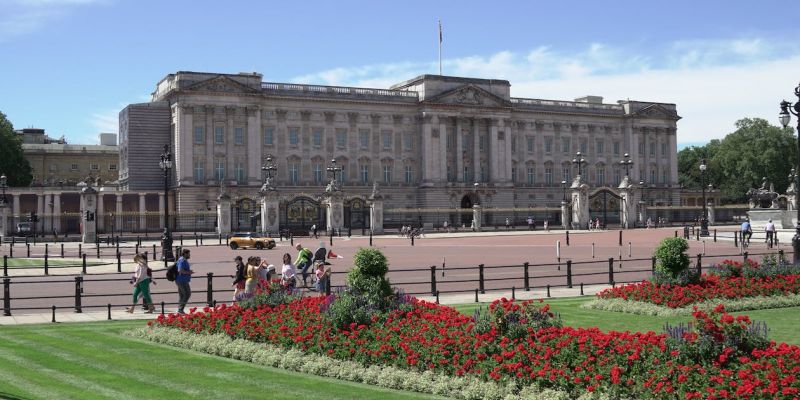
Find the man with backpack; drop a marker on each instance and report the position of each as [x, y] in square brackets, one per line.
[303, 261]
[182, 280]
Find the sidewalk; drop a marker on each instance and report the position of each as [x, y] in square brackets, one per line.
[119, 314]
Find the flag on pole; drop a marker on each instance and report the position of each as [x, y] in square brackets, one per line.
[440, 47]
[440, 31]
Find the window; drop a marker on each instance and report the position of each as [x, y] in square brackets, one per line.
[219, 170]
[482, 143]
[664, 177]
[94, 167]
[513, 174]
[548, 145]
[483, 174]
[317, 173]
[663, 149]
[239, 170]
[584, 147]
[294, 136]
[652, 149]
[548, 176]
[467, 176]
[531, 175]
[364, 173]
[343, 173]
[316, 138]
[73, 167]
[601, 176]
[529, 143]
[294, 173]
[341, 139]
[199, 135]
[565, 145]
[465, 144]
[409, 174]
[238, 136]
[449, 141]
[641, 148]
[269, 138]
[565, 174]
[617, 175]
[616, 148]
[386, 138]
[363, 139]
[408, 142]
[199, 172]
[219, 135]
[653, 176]
[387, 173]
[112, 167]
[599, 147]
[513, 144]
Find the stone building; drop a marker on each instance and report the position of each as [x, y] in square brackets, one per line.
[430, 142]
[59, 164]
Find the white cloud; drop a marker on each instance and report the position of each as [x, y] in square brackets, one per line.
[21, 17]
[713, 82]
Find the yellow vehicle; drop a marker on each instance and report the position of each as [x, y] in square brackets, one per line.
[250, 240]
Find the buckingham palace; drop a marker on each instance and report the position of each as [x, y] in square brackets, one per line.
[432, 142]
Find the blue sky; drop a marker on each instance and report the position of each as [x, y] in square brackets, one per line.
[69, 66]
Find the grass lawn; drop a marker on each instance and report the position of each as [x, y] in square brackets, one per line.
[52, 262]
[782, 322]
[93, 361]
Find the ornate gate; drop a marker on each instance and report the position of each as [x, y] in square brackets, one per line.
[604, 204]
[356, 214]
[300, 213]
[244, 215]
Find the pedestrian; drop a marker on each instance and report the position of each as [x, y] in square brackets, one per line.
[303, 261]
[141, 283]
[239, 278]
[747, 231]
[508, 224]
[444, 225]
[530, 223]
[182, 280]
[322, 278]
[546, 226]
[253, 274]
[770, 229]
[314, 231]
[320, 254]
[288, 272]
[472, 225]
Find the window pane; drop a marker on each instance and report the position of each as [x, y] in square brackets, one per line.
[268, 136]
[219, 135]
[238, 136]
[199, 135]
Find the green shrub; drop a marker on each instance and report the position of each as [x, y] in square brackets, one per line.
[673, 262]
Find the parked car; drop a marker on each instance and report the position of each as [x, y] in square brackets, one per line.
[245, 240]
[24, 229]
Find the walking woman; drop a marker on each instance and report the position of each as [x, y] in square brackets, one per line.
[141, 282]
[253, 274]
[288, 272]
[239, 279]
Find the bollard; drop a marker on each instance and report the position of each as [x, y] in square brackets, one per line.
[46, 249]
[630, 250]
[11, 250]
[29, 249]
[697, 234]
[181, 239]
[412, 240]
[201, 239]
[7, 297]
[527, 277]
[704, 247]
[219, 238]
[138, 240]
[513, 293]
[699, 263]
[137, 249]
[62, 250]
[109, 311]
[653, 264]
[78, 285]
[480, 278]
[5, 265]
[370, 237]
[567, 238]
[162, 307]
[610, 270]
[558, 249]
[437, 297]
[46, 265]
[715, 236]
[154, 252]
[98, 251]
[620, 238]
[83, 264]
[592, 249]
[196, 241]
[433, 279]
[581, 288]
[735, 239]
[444, 265]
[476, 295]
[330, 238]
[780, 255]
[117, 244]
[54, 315]
[210, 289]
[548, 290]
[80, 249]
[569, 274]
[291, 239]
[119, 262]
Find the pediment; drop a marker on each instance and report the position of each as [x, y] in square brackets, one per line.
[220, 84]
[469, 95]
[657, 112]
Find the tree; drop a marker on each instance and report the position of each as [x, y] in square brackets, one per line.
[756, 149]
[12, 162]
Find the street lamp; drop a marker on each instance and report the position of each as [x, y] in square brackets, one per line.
[3, 186]
[269, 168]
[580, 162]
[333, 169]
[785, 118]
[626, 163]
[564, 191]
[704, 219]
[166, 240]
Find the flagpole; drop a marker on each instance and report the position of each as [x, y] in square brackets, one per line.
[440, 47]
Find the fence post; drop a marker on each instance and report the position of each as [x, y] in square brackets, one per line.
[476, 295]
[291, 239]
[330, 238]
[653, 264]
[610, 270]
[80, 249]
[7, 297]
[370, 238]
[210, 290]
[527, 277]
[569, 273]
[83, 267]
[119, 262]
[715, 236]
[219, 238]
[11, 249]
[581, 288]
[567, 238]
[109, 311]
[29, 249]
[328, 286]
[620, 237]
[433, 279]
[735, 239]
[699, 263]
[437, 297]
[98, 251]
[46, 264]
[480, 279]
[676, 233]
[78, 285]
[54, 314]
[745, 257]
[513, 293]
[412, 240]
[5, 265]
[62, 250]
[548, 290]
[137, 249]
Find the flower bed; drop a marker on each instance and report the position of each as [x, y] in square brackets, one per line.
[421, 336]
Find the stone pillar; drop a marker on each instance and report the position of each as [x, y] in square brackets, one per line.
[476, 151]
[642, 213]
[40, 213]
[565, 214]
[710, 210]
[254, 145]
[101, 212]
[334, 213]
[376, 215]
[580, 204]
[627, 204]
[270, 223]
[223, 214]
[142, 211]
[57, 212]
[118, 215]
[47, 218]
[493, 151]
[427, 152]
[477, 216]
[89, 214]
[441, 155]
[3, 221]
[459, 152]
[15, 206]
[161, 210]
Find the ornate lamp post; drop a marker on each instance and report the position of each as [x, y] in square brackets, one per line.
[580, 162]
[626, 163]
[166, 240]
[564, 191]
[3, 186]
[786, 108]
[704, 219]
[269, 169]
[333, 169]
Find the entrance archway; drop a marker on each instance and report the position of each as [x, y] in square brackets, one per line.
[604, 204]
[469, 200]
[300, 213]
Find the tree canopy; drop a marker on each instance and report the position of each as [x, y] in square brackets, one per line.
[12, 162]
[756, 149]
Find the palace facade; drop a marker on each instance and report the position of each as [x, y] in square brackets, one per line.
[429, 142]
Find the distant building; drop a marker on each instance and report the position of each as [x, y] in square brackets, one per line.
[37, 135]
[57, 164]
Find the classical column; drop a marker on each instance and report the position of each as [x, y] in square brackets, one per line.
[3, 221]
[47, 217]
[183, 144]
[89, 214]
[230, 113]
[39, 212]
[142, 211]
[493, 151]
[254, 145]
[442, 153]
[161, 210]
[476, 151]
[477, 217]
[210, 173]
[223, 214]
[509, 157]
[118, 216]
[427, 154]
[57, 212]
[101, 212]
[270, 208]
[459, 153]
[15, 206]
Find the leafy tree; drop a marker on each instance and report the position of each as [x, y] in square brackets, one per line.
[12, 162]
[738, 162]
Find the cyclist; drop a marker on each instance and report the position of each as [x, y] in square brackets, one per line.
[747, 231]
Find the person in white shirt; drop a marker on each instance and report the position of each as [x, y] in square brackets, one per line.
[141, 282]
[770, 229]
[288, 271]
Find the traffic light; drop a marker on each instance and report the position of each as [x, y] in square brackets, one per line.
[88, 215]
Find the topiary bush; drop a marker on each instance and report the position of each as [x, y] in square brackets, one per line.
[672, 265]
